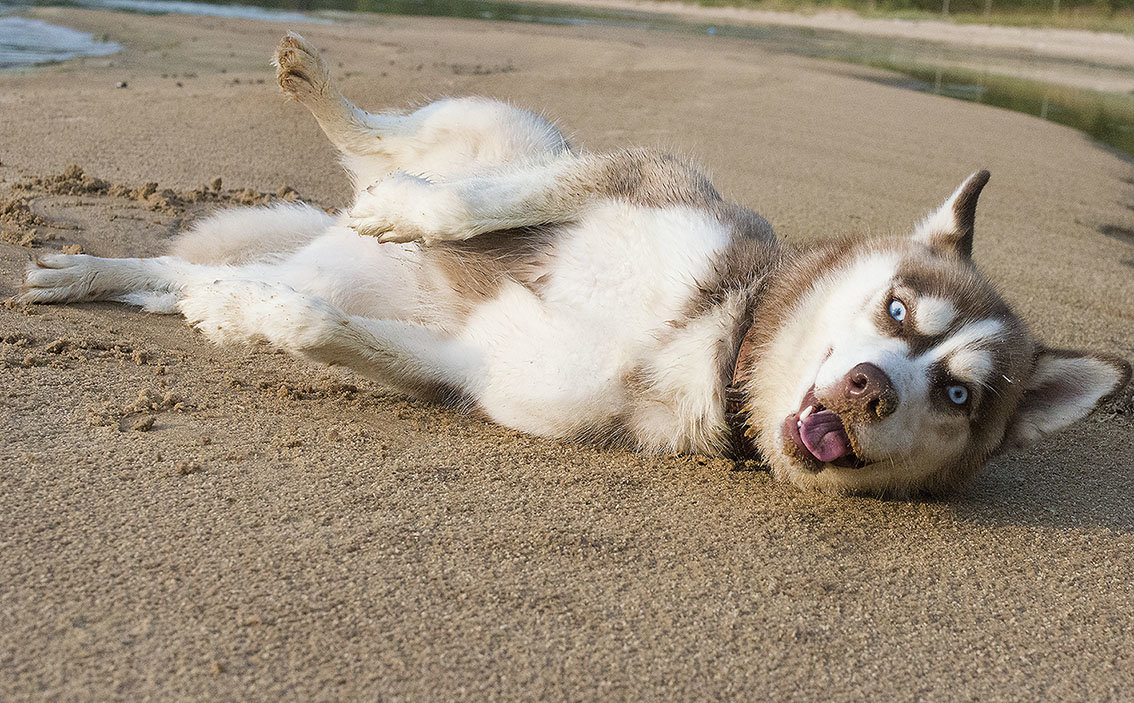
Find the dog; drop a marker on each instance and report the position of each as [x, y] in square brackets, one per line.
[616, 298]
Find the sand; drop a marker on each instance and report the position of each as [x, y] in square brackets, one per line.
[183, 522]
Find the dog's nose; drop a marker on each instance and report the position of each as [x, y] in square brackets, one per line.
[871, 391]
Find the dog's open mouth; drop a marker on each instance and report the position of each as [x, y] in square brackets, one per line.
[819, 433]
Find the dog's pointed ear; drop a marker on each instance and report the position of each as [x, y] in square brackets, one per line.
[949, 230]
[1065, 386]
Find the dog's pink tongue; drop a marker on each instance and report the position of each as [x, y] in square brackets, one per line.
[824, 436]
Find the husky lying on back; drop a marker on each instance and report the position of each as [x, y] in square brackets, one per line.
[616, 298]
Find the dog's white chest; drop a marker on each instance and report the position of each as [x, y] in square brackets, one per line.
[559, 360]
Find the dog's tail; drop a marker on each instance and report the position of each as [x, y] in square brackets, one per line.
[247, 234]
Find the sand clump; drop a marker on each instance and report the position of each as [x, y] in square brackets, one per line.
[1119, 407]
[16, 340]
[303, 391]
[21, 226]
[17, 212]
[140, 414]
[75, 181]
[23, 223]
[149, 399]
[62, 350]
[16, 352]
[185, 468]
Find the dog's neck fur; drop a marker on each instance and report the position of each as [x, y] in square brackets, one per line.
[753, 266]
[742, 443]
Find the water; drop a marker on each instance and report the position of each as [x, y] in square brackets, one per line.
[29, 42]
[24, 42]
[937, 68]
[1106, 117]
[176, 7]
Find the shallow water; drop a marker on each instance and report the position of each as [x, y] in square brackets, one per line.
[214, 9]
[28, 42]
[934, 68]
[24, 42]
[1106, 117]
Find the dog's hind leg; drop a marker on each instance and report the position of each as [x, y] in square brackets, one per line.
[154, 284]
[231, 243]
[303, 76]
[440, 140]
[236, 303]
[413, 358]
[75, 278]
[243, 235]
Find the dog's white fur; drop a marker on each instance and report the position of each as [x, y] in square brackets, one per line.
[595, 331]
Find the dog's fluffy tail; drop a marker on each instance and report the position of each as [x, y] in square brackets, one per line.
[247, 234]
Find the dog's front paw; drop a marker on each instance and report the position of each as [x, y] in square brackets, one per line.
[403, 208]
[242, 311]
[300, 71]
[61, 278]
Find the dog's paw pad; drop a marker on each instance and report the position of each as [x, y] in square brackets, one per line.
[300, 71]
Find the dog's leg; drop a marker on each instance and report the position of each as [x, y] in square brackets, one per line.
[151, 283]
[303, 76]
[446, 137]
[72, 278]
[403, 208]
[411, 357]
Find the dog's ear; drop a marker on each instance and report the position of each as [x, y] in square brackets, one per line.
[1065, 386]
[949, 230]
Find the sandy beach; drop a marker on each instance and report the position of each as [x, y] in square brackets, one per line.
[185, 522]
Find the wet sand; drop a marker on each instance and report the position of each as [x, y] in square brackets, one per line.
[182, 522]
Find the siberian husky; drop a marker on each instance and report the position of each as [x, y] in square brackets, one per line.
[616, 298]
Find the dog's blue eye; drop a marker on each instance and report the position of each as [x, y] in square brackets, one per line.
[958, 394]
[897, 310]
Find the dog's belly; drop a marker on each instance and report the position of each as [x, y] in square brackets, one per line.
[557, 360]
[631, 267]
[545, 371]
[359, 274]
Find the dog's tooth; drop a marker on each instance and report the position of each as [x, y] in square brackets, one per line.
[803, 415]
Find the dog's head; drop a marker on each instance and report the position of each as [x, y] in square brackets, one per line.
[894, 367]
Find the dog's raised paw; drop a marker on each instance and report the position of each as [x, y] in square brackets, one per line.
[300, 71]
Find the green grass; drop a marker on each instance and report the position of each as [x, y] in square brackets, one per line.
[1121, 23]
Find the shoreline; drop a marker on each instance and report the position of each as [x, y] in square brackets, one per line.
[1105, 47]
[1099, 62]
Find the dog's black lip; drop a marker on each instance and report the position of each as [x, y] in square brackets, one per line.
[850, 461]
